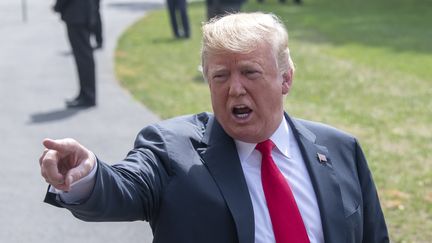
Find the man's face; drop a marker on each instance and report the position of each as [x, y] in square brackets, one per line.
[247, 92]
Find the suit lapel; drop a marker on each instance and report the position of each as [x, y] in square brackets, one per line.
[324, 181]
[222, 161]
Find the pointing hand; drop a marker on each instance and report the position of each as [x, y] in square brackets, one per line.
[65, 161]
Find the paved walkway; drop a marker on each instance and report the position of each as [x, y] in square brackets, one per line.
[37, 74]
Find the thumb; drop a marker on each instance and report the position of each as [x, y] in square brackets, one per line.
[77, 173]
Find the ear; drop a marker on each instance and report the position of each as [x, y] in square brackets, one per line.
[287, 78]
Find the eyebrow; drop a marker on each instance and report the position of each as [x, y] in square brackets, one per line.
[218, 68]
[249, 64]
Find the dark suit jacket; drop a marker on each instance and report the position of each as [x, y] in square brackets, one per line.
[77, 11]
[184, 177]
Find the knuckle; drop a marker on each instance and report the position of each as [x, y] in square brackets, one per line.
[43, 156]
[70, 141]
[50, 158]
[47, 162]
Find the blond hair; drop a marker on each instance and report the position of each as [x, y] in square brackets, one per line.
[243, 33]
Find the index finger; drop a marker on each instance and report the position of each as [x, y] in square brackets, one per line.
[61, 145]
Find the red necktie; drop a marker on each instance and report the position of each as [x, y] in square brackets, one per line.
[288, 226]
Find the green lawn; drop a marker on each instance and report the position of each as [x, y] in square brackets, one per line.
[364, 66]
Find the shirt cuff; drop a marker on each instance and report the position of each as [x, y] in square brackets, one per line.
[80, 190]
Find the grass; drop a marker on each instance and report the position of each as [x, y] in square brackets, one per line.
[362, 66]
[173, 85]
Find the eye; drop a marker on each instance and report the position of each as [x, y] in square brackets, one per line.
[252, 74]
[219, 77]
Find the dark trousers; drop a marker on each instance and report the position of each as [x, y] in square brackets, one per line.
[79, 38]
[216, 8]
[178, 7]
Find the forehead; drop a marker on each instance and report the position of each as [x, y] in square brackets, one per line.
[263, 55]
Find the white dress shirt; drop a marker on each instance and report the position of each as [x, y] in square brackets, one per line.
[288, 159]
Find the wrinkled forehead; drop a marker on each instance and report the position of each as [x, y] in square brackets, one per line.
[259, 53]
[243, 48]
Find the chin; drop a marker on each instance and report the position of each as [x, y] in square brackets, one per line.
[245, 136]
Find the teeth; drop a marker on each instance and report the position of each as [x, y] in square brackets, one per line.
[241, 111]
[241, 115]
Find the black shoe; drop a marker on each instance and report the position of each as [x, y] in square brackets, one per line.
[80, 103]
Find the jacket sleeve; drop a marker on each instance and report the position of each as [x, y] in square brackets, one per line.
[129, 190]
[374, 226]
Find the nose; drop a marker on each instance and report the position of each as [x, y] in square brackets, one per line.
[236, 87]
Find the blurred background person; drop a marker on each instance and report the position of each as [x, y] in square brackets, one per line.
[179, 18]
[222, 7]
[79, 17]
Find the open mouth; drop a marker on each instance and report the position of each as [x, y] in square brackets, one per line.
[241, 111]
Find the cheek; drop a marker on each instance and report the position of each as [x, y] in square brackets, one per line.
[214, 95]
[217, 100]
[218, 92]
[272, 102]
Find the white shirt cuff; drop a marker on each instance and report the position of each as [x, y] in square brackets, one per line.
[80, 189]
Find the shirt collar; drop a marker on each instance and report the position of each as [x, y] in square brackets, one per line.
[281, 138]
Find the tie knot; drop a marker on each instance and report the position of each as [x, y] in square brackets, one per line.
[265, 147]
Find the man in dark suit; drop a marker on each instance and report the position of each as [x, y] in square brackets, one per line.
[177, 10]
[249, 173]
[80, 17]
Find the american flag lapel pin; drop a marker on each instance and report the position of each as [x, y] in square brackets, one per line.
[322, 158]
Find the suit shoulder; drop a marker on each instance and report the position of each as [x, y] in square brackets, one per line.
[186, 121]
[186, 125]
[322, 130]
